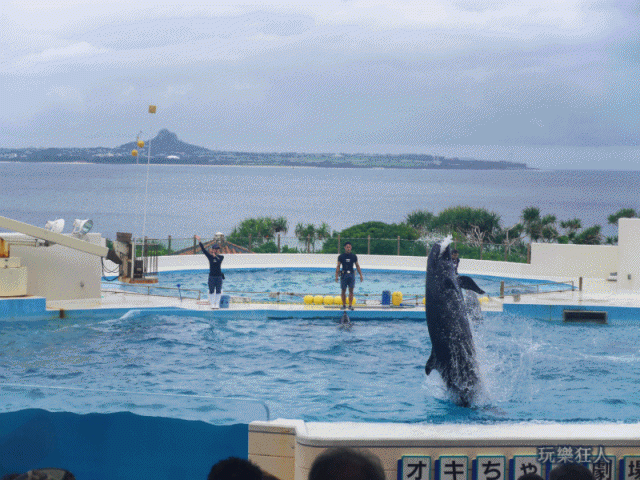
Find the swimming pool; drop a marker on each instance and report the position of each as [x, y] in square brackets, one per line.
[257, 284]
[532, 370]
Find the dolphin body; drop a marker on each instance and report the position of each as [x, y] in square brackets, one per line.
[453, 351]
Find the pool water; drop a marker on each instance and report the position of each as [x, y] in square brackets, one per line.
[257, 284]
[182, 364]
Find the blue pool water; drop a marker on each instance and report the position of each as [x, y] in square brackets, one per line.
[192, 365]
[257, 284]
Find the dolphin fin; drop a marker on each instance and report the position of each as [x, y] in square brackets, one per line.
[431, 363]
[468, 284]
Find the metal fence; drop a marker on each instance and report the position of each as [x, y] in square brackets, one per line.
[370, 246]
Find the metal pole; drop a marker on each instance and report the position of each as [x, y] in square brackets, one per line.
[368, 244]
[169, 246]
[398, 245]
[133, 258]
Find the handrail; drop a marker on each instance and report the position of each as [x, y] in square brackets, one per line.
[528, 286]
[240, 295]
[112, 288]
[149, 287]
[364, 245]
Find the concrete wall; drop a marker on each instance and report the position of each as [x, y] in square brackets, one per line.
[562, 262]
[287, 448]
[629, 254]
[589, 261]
[57, 272]
[293, 260]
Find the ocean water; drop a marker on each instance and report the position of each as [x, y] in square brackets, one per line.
[185, 200]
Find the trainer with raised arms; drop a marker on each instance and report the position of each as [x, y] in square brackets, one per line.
[215, 273]
[349, 263]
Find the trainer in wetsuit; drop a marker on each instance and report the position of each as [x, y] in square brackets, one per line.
[455, 258]
[215, 274]
[349, 262]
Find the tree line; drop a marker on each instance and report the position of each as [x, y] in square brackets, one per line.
[478, 233]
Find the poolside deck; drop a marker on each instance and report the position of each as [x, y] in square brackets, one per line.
[596, 295]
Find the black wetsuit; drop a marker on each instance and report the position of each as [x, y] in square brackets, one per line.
[215, 273]
[347, 274]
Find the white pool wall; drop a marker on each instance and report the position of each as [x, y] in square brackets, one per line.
[550, 261]
[287, 448]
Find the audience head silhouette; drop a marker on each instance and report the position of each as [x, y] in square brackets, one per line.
[346, 464]
[571, 471]
[234, 468]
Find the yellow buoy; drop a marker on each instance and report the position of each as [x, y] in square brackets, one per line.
[328, 299]
[140, 144]
[318, 299]
[308, 299]
[134, 153]
[424, 300]
[396, 298]
[483, 299]
[337, 300]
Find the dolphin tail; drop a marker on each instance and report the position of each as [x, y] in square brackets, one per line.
[468, 284]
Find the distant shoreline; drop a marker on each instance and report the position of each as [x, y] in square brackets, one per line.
[169, 150]
[255, 165]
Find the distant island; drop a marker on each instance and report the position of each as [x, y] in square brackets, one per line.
[166, 148]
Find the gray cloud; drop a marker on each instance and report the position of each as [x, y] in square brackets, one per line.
[421, 76]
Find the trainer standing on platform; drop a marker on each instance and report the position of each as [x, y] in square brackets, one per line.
[349, 262]
[215, 274]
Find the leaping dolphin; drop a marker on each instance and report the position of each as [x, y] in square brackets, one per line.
[453, 351]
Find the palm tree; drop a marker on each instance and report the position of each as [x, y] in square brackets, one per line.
[509, 237]
[280, 224]
[421, 220]
[590, 236]
[532, 223]
[549, 232]
[624, 213]
[306, 234]
[571, 226]
[322, 232]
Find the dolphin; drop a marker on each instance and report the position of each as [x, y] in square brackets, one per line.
[453, 351]
[345, 322]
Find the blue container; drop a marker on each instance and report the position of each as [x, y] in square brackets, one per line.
[224, 301]
[386, 297]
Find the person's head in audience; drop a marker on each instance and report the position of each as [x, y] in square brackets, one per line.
[234, 468]
[530, 476]
[41, 474]
[346, 464]
[571, 471]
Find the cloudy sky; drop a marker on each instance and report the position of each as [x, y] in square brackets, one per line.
[553, 83]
